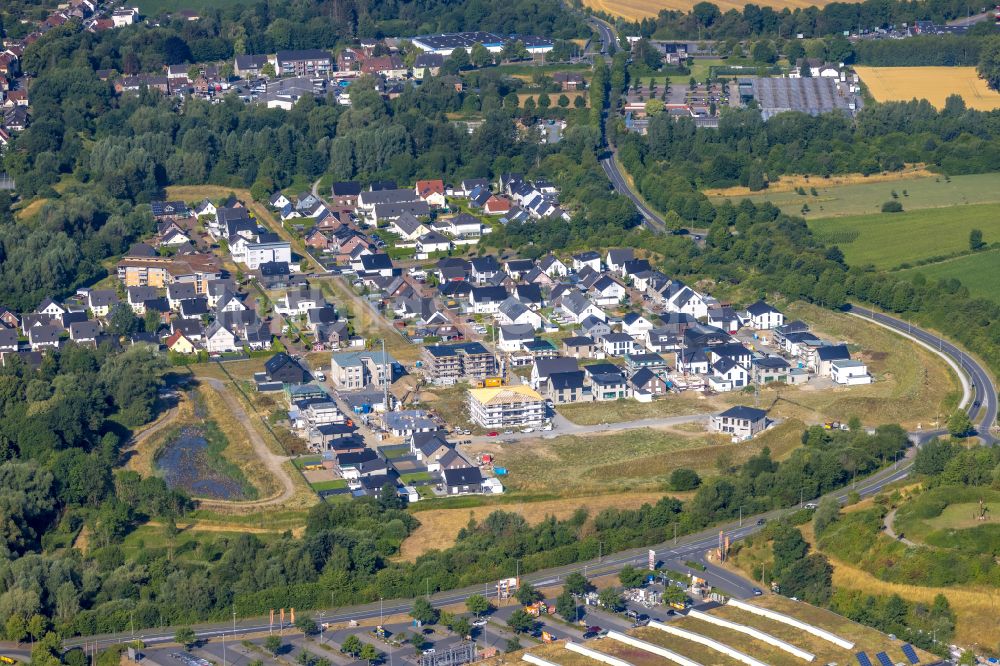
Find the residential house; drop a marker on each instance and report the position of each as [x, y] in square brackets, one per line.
[769, 369]
[487, 300]
[578, 346]
[431, 191]
[589, 259]
[354, 466]
[462, 481]
[181, 344]
[605, 290]
[249, 66]
[506, 407]
[569, 81]
[607, 382]
[577, 307]
[646, 385]
[462, 225]
[741, 423]
[345, 194]
[651, 361]
[8, 340]
[483, 269]
[512, 337]
[636, 325]
[595, 329]
[100, 301]
[408, 227]
[762, 316]
[406, 422]
[513, 311]
[427, 64]
[299, 302]
[780, 332]
[724, 318]
[566, 387]
[728, 375]
[283, 368]
[44, 337]
[389, 66]
[220, 340]
[432, 242]
[849, 372]
[686, 300]
[84, 332]
[617, 258]
[496, 205]
[826, 355]
[542, 368]
[193, 308]
[552, 266]
[357, 369]
[617, 344]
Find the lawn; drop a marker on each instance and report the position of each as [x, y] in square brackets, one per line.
[415, 477]
[980, 273]
[832, 199]
[367, 323]
[890, 240]
[335, 484]
[619, 411]
[935, 84]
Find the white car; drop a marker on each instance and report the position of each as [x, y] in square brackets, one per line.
[526, 430]
[481, 622]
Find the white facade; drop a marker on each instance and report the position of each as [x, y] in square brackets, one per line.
[262, 253]
[850, 373]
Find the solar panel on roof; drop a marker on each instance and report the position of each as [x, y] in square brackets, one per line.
[910, 653]
[863, 659]
[883, 659]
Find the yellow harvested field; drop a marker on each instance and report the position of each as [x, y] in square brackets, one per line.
[439, 527]
[790, 182]
[935, 84]
[634, 10]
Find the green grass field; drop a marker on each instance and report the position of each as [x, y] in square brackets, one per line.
[335, 484]
[862, 198]
[980, 273]
[888, 240]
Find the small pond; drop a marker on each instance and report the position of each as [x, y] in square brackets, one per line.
[186, 465]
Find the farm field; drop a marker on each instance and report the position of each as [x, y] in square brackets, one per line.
[979, 272]
[923, 190]
[935, 84]
[888, 240]
[635, 10]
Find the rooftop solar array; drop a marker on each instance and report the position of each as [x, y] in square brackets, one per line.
[910, 653]
[883, 659]
[814, 95]
[863, 659]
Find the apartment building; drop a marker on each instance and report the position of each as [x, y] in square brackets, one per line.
[160, 272]
[356, 370]
[448, 364]
[305, 62]
[506, 407]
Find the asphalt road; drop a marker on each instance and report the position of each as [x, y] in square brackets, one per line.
[614, 174]
[983, 409]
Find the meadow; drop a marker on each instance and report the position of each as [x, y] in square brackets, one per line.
[888, 240]
[862, 196]
[635, 10]
[935, 84]
[979, 272]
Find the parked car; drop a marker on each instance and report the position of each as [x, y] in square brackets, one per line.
[492, 433]
[481, 622]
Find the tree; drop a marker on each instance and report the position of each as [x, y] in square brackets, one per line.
[579, 102]
[461, 626]
[306, 625]
[566, 605]
[630, 576]
[653, 107]
[185, 637]
[789, 547]
[151, 321]
[959, 424]
[611, 599]
[513, 645]
[478, 604]
[458, 60]
[826, 513]
[273, 644]
[480, 56]
[15, 628]
[989, 63]
[122, 320]
[976, 240]
[544, 101]
[892, 207]
[563, 101]
[423, 612]
[418, 641]
[763, 52]
[527, 594]
[684, 479]
[267, 71]
[520, 621]
[369, 653]
[577, 583]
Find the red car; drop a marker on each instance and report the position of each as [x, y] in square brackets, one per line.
[492, 433]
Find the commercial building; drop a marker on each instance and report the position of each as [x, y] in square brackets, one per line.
[506, 407]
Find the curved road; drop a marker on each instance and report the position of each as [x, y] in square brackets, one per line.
[983, 409]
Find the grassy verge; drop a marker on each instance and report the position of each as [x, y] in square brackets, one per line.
[619, 411]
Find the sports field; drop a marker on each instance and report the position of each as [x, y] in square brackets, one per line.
[922, 190]
[980, 273]
[888, 240]
[935, 84]
[640, 9]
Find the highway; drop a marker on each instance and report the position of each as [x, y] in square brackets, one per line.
[617, 178]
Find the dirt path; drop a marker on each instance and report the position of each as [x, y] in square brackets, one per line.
[889, 519]
[273, 462]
